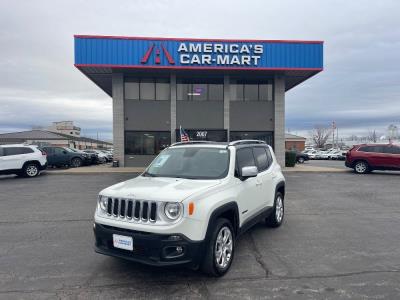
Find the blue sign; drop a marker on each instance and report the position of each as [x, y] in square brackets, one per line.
[128, 52]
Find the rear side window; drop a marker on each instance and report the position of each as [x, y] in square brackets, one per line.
[245, 158]
[17, 150]
[261, 158]
[392, 150]
[1, 151]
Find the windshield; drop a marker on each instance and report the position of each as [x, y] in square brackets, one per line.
[191, 163]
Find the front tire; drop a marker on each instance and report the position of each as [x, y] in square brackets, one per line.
[300, 160]
[76, 162]
[30, 170]
[220, 249]
[275, 219]
[361, 167]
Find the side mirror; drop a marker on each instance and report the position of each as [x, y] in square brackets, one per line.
[250, 171]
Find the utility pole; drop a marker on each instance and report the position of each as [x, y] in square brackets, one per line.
[333, 134]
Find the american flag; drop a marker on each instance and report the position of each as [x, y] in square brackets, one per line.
[184, 135]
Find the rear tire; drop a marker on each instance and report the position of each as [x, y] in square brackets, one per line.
[361, 167]
[300, 160]
[220, 249]
[275, 219]
[30, 170]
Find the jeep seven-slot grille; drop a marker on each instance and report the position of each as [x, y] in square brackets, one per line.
[143, 211]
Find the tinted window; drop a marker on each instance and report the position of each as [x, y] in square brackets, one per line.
[377, 149]
[132, 90]
[245, 158]
[147, 90]
[1, 151]
[251, 92]
[392, 150]
[365, 149]
[261, 158]
[146, 143]
[17, 150]
[162, 90]
[201, 91]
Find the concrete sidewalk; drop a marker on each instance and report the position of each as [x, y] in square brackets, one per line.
[104, 169]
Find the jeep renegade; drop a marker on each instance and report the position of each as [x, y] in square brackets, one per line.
[191, 204]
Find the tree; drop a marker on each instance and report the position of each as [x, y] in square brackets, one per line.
[320, 135]
[373, 136]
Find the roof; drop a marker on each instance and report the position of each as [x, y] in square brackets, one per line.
[99, 56]
[289, 136]
[43, 135]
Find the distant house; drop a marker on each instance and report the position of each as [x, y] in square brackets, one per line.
[46, 138]
[294, 142]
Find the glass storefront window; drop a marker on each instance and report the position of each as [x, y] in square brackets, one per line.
[251, 91]
[163, 91]
[199, 91]
[147, 89]
[132, 90]
[146, 143]
[266, 136]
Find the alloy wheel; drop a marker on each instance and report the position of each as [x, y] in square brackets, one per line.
[223, 247]
[279, 209]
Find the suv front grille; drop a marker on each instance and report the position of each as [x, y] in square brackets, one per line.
[132, 210]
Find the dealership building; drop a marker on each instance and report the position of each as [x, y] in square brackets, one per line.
[216, 89]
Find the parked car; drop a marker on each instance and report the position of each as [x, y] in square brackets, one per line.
[301, 157]
[22, 160]
[312, 154]
[89, 158]
[101, 157]
[61, 156]
[191, 204]
[108, 154]
[368, 157]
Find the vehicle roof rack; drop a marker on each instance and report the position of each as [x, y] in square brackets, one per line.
[245, 142]
[192, 143]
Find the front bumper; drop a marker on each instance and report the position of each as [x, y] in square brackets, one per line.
[149, 248]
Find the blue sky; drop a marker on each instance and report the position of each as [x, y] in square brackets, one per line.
[359, 88]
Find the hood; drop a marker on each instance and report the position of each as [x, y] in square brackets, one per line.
[158, 188]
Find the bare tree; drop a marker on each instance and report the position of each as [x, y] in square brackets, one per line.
[373, 136]
[320, 135]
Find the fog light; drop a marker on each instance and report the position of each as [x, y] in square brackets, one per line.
[174, 238]
[179, 249]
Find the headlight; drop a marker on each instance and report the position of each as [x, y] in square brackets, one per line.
[103, 202]
[173, 210]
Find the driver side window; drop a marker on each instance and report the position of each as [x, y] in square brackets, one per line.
[244, 158]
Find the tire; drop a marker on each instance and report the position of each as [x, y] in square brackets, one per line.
[275, 219]
[300, 160]
[76, 162]
[213, 263]
[30, 170]
[361, 167]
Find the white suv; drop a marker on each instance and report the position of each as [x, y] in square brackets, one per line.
[23, 160]
[191, 204]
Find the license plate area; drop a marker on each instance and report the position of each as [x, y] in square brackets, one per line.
[123, 242]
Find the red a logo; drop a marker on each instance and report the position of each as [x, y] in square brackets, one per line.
[157, 60]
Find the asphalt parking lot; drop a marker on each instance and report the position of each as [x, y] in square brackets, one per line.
[340, 240]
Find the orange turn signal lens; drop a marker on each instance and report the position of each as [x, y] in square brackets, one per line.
[191, 208]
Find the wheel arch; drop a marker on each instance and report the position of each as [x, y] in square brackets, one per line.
[31, 162]
[228, 211]
[281, 187]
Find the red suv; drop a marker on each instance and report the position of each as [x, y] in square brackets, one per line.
[366, 158]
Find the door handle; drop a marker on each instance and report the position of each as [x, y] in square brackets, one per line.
[258, 183]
